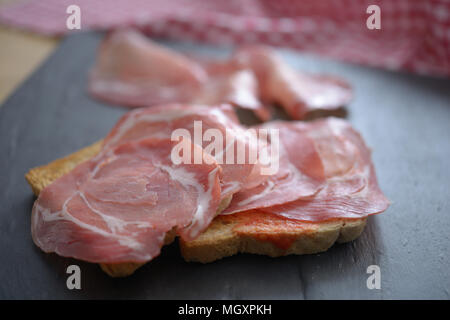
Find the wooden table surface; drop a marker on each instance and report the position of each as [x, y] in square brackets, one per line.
[20, 53]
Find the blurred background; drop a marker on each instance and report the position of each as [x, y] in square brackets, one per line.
[414, 34]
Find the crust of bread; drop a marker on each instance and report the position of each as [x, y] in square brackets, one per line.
[269, 235]
[250, 232]
[42, 176]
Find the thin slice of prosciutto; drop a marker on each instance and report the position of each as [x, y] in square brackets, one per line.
[133, 71]
[296, 92]
[118, 207]
[351, 189]
[163, 121]
[300, 174]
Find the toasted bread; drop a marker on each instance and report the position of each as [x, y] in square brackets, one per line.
[268, 234]
[251, 232]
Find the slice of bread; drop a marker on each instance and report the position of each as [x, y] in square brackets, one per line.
[268, 234]
[251, 232]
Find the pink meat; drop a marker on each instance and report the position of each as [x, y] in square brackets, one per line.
[300, 174]
[351, 189]
[238, 87]
[133, 71]
[298, 93]
[119, 206]
[162, 121]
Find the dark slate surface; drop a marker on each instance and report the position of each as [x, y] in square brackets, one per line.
[404, 118]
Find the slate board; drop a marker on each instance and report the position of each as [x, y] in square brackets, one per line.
[404, 118]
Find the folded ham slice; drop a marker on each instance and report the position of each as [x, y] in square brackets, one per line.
[239, 88]
[133, 71]
[119, 206]
[298, 93]
[325, 173]
[300, 174]
[162, 121]
[351, 189]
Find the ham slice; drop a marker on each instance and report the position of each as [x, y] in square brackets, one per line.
[133, 71]
[298, 93]
[239, 88]
[300, 174]
[162, 121]
[119, 206]
[351, 189]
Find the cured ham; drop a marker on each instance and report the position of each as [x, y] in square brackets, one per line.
[300, 174]
[239, 88]
[163, 121]
[298, 93]
[351, 189]
[133, 71]
[325, 173]
[119, 206]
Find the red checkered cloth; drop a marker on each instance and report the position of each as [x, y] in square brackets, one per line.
[414, 34]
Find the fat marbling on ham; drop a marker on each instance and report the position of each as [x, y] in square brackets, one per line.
[351, 188]
[325, 173]
[298, 93]
[133, 71]
[300, 174]
[162, 121]
[119, 206]
[237, 87]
